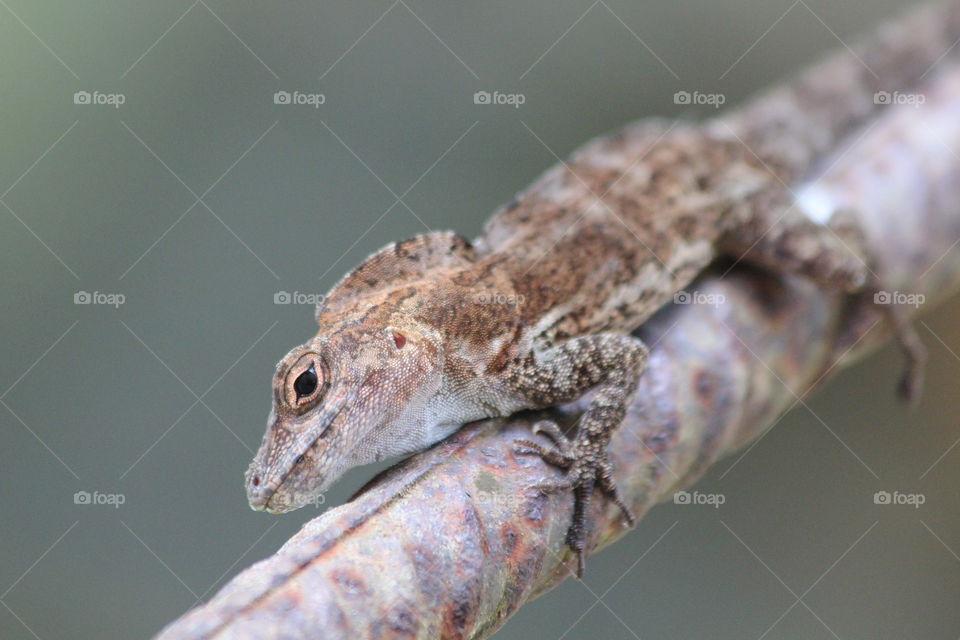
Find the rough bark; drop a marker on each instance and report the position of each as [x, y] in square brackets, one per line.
[451, 542]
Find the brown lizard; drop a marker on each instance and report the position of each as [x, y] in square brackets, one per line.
[435, 331]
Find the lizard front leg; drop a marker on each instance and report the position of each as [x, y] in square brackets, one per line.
[609, 363]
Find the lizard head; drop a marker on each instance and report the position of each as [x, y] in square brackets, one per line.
[349, 396]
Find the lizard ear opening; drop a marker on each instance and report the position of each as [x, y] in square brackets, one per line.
[399, 339]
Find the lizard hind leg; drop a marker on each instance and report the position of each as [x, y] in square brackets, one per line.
[846, 226]
[911, 381]
[860, 318]
[832, 250]
[610, 364]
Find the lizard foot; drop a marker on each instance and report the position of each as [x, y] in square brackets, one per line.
[911, 380]
[587, 467]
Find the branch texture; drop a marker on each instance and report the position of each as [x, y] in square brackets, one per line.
[451, 542]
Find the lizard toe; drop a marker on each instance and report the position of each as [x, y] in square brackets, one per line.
[609, 487]
[551, 455]
[552, 430]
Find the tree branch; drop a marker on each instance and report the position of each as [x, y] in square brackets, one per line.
[451, 542]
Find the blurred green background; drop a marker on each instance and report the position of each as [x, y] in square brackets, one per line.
[199, 198]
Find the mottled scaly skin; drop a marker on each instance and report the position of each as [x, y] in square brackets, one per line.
[593, 258]
[433, 332]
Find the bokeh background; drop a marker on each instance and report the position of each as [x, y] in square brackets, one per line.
[198, 199]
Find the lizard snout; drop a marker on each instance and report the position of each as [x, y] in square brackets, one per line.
[270, 496]
[260, 490]
[258, 493]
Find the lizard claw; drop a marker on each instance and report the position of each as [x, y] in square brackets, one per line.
[585, 470]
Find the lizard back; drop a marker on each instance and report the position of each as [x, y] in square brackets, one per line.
[586, 249]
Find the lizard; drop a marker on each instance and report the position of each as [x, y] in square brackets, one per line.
[436, 331]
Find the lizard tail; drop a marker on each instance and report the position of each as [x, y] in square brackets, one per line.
[796, 124]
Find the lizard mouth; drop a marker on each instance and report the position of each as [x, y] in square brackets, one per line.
[272, 496]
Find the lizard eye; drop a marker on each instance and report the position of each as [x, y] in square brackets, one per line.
[306, 383]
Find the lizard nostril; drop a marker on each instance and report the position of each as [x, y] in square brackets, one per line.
[256, 481]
